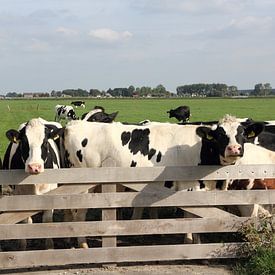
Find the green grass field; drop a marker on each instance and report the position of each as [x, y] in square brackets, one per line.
[14, 112]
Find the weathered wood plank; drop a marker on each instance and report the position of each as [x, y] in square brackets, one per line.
[155, 197]
[118, 254]
[139, 174]
[15, 217]
[107, 215]
[121, 228]
[209, 212]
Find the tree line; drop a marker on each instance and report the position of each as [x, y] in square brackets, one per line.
[190, 90]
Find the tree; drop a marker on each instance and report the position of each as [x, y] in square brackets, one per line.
[232, 91]
[267, 89]
[94, 92]
[258, 90]
[13, 94]
[262, 89]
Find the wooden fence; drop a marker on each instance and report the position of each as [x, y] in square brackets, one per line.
[146, 239]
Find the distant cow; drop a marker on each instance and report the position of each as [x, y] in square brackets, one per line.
[78, 104]
[153, 144]
[98, 115]
[64, 112]
[182, 113]
[33, 148]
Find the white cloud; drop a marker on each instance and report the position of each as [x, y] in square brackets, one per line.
[109, 35]
[38, 46]
[66, 31]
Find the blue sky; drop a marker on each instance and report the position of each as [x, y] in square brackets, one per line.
[58, 44]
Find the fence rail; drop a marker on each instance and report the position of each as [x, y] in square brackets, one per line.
[145, 190]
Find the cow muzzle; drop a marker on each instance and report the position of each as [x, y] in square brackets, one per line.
[34, 168]
[233, 150]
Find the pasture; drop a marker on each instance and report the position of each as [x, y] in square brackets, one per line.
[14, 112]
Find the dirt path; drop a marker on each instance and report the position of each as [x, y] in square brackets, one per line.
[139, 269]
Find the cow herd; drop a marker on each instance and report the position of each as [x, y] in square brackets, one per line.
[87, 142]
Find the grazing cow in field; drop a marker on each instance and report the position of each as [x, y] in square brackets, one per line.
[78, 103]
[64, 112]
[153, 144]
[33, 148]
[182, 113]
[98, 115]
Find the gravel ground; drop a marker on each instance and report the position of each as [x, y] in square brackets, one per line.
[198, 269]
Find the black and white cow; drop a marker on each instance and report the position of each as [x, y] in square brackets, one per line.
[33, 148]
[78, 103]
[98, 115]
[255, 154]
[153, 144]
[266, 138]
[64, 112]
[182, 113]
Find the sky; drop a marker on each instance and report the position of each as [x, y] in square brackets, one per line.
[50, 45]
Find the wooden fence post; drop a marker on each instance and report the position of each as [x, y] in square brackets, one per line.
[107, 215]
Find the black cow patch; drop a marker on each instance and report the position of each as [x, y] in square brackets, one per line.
[133, 163]
[84, 142]
[159, 157]
[202, 185]
[219, 184]
[151, 153]
[125, 137]
[68, 164]
[79, 155]
[168, 183]
[139, 141]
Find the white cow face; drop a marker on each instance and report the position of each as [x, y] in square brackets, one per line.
[227, 138]
[34, 146]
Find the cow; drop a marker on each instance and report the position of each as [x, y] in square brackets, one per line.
[98, 115]
[33, 148]
[182, 113]
[252, 184]
[154, 144]
[78, 103]
[267, 138]
[254, 154]
[65, 112]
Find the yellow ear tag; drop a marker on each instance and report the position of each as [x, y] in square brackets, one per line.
[251, 134]
[209, 137]
[15, 140]
[56, 137]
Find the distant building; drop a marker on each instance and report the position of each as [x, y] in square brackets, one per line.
[28, 95]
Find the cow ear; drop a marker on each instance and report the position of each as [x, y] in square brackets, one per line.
[254, 129]
[13, 136]
[204, 132]
[113, 116]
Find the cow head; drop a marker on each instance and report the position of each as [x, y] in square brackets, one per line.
[71, 115]
[99, 115]
[34, 146]
[226, 139]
